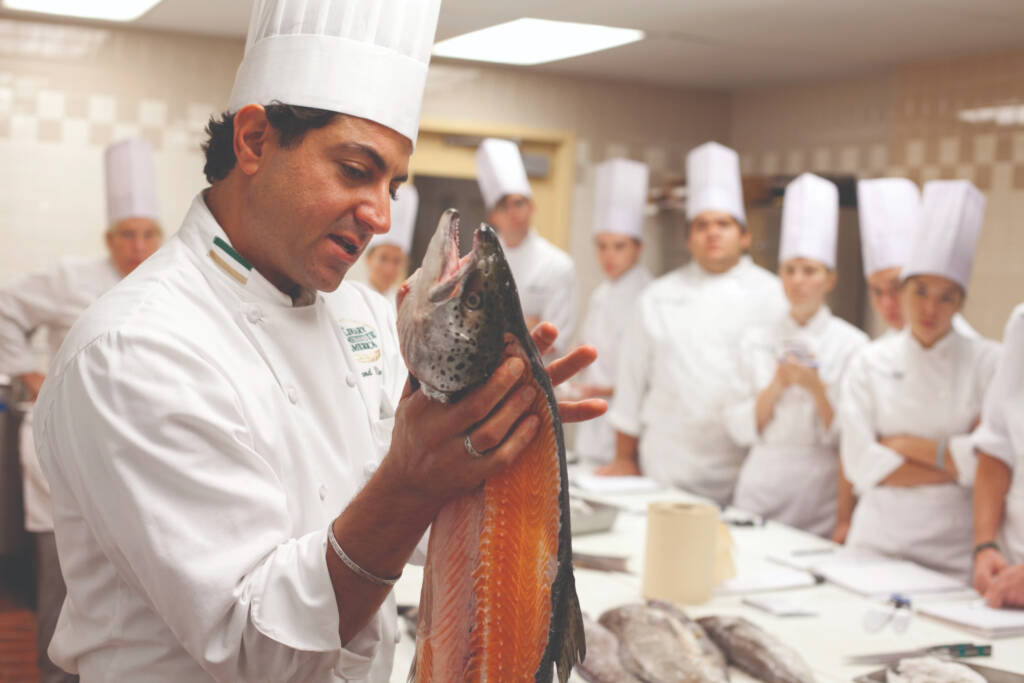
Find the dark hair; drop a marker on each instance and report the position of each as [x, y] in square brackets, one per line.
[291, 123]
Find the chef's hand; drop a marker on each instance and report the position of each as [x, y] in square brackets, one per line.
[428, 454]
[1008, 588]
[32, 381]
[619, 468]
[801, 374]
[565, 368]
[988, 564]
[841, 531]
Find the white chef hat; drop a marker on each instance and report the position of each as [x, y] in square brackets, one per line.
[713, 182]
[403, 220]
[952, 212]
[889, 209]
[810, 220]
[366, 58]
[500, 171]
[131, 181]
[620, 195]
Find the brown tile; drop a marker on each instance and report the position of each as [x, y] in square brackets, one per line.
[947, 172]
[1018, 176]
[155, 136]
[101, 134]
[49, 130]
[5, 127]
[931, 150]
[898, 152]
[75, 105]
[983, 176]
[1004, 146]
[966, 146]
[914, 174]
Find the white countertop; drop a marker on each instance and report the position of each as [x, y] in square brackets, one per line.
[823, 640]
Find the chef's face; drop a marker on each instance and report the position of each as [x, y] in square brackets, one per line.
[806, 282]
[884, 292]
[384, 264]
[930, 302]
[315, 204]
[511, 218]
[131, 241]
[617, 253]
[716, 240]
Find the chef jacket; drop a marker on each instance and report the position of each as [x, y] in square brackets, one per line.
[677, 372]
[606, 320]
[545, 278]
[791, 473]
[1001, 432]
[52, 299]
[896, 387]
[200, 433]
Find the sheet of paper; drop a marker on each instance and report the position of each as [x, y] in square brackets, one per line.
[781, 605]
[773, 580]
[979, 618]
[595, 484]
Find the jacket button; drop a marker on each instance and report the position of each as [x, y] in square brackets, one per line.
[322, 492]
[254, 315]
[350, 380]
[293, 394]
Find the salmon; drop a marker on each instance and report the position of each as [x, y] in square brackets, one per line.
[498, 601]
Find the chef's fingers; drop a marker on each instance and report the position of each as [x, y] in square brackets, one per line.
[544, 336]
[510, 449]
[565, 367]
[581, 411]
[475, 406]
[492, 431]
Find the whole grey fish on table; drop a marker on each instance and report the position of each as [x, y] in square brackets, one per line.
[757, 652]
[499, 598]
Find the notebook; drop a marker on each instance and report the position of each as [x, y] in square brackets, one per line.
[975, 617]
[871, 575]
[773, 580]
[597, 484]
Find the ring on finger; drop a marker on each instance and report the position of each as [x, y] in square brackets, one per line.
[473, 452]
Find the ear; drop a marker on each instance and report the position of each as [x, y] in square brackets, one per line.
[745, 238]
[832, 280]
[252, 131]
[108, 237]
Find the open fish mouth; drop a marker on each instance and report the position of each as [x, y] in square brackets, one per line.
[453, 267]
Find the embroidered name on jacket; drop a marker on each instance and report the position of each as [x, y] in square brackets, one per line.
[362, 339]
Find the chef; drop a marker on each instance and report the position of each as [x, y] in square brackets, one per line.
[910, 400]
[999, 483]
[791, 371]
[387, 255]
[889, 209]
[53, 299]
[620, 195]
[235, 488]
[677, 370]
[544, 274]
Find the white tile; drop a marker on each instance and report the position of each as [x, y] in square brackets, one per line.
[50, 104]
[152, 113]
[748, 163]
[849, 159]
[1017, 154]
[24, 128]
[6, 100]
[616, 150]
[931, 173]
[949, 151]
[175, 137]
[795, 162]
[878, 156]
[915, 153]
[102, 109]
[821, 160]
[125, 130]
[1002, 176]
[965, 172]
[984, 148]
[75, 131]
[198, 114]
[656, 158]
[770, 163]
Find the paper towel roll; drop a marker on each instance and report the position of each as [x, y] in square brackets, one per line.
[679, 562]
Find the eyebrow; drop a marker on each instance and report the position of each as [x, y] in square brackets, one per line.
[375, 157]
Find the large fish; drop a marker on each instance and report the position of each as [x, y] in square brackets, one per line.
[498, 601]
[757, 652]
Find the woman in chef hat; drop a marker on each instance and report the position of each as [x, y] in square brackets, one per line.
[387, 255]
[911, 400]
[620, 195]
[791, 372]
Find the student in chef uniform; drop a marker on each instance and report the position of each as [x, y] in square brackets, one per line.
[910, 400]
[53, 299]
[235, 490]
[544, 274]
[620, 195]
[387, 255]
[677, 369]
[999, 482]
[791, 371]
[889, 209]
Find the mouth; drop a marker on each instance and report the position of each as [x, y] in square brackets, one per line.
[453, 268]
[350, 245]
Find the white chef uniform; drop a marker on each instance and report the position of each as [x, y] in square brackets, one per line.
[544, 274]
[404, 207]
[1001, 433]
[677, 368]
[620, 195]
[200, 431]
[897, 387]
[792, 470]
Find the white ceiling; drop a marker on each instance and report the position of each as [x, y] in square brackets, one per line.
[720, 44]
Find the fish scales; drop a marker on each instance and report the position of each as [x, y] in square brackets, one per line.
[755, 651]
[498, 600]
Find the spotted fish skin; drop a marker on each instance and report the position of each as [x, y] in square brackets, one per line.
[498, 601]
[755, 651]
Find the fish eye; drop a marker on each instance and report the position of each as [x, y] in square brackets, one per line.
[473, 301]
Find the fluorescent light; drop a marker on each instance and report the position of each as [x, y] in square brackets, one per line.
[534, 41]
[1000, 115]
[111, 10]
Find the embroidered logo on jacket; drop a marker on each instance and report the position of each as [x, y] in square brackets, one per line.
[362, 339]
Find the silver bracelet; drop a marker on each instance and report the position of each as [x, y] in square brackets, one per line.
[350, 563]
[940, 454]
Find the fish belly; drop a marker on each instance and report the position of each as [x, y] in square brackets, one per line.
[492, 558]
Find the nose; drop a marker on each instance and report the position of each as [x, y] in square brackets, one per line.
[375, 211]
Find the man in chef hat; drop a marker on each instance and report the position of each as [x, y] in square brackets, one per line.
[387, 255]
[544, 274]
[889, 210]
[236, 489]
[911, 400]
[676, 371]
[620, 197]
[53, 299]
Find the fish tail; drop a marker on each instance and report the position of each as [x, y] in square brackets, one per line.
[574, 644]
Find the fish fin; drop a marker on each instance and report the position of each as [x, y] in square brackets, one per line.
[574, 644]
[412, 672]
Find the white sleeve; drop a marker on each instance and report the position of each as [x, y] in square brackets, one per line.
[865, 461]
[834, 393]
[632, 375]
[26, 304]
[560, 307]
[153, 444]
[740, 418]
[993, 434]
[987, 380]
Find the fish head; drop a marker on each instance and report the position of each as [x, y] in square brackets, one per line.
[452, 311]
